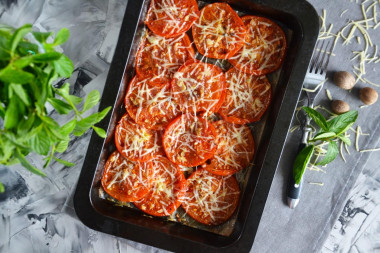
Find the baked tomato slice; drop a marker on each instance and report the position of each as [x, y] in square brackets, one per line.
[189, 140]
[136, 142]
[247, 97]
[149, 105]
[159, 58]
[169, 18]
[126, 180]
[168, 189]
[211, 199]
[198, 86]
[219, 32]
[235, 149]
[264, 48]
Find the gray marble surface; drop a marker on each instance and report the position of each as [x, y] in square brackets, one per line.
[37, 215]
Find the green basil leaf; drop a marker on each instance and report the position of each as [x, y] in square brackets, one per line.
[18, 35]
[74, 99]
[4, 50]
[62, 36]
[66, 163]
[103, 113]
[47, 57]
[22, 62]
[345, 139]
[317, 117]
[62, 146]
[12, 114]
[49, 121]
[100, 131]
[25, 124]
[40, 143]
[63, 66]
[27, 165]
[67, 128]
[301, 162]
[2, 189]
[92, 99]
[332, 152]
[11, 75]
[21, 93]
[41, 36]
[27, 48]
[55, 133]
[343, 122]
[84, 124]
[61, 106]
[321, 136]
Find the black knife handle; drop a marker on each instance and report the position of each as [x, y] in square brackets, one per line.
[294, 192]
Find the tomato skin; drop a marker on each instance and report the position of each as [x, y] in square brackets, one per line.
[194, 132]
[199, 87]
[251, 89]
[235, 149]
[160, 22]
[126, 190]
[146, 144]
[224, 189]
[151, 106]
[157, 202]
[272, 40]
[225, 38]
[158, 58]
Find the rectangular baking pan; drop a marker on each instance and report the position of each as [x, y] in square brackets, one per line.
[300, 21]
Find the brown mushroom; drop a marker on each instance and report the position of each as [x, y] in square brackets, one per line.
[368, 95]
[344, 80]
[339, 106]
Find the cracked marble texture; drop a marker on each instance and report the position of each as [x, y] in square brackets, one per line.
[37, 215]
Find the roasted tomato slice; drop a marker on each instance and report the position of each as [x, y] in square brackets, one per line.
[189, 141]
[149, 105]
[159, 58]
[126, 180]
[199, 86]
[169, 18]
[136, 142]
[247, 97]
[264, 48]
[219, 32]
[235, 149]
[168, 189]
[211, 199]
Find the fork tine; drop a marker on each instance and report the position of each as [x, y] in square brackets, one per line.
[316, 58]
[328, 58]
[313, 57]
[324, 53]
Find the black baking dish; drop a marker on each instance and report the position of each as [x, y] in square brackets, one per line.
[300, 20]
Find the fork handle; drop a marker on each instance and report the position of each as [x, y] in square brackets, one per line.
[294, 190]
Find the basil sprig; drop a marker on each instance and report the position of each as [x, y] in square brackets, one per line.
[330, 131]
[29, 65]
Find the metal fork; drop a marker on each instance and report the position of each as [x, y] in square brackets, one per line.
[313, 84]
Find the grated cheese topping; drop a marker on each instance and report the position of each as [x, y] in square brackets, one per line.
[150, 106]
[247, 97]
[136, 142]
[211, 198]
[171, 17]
[167, 189]
[159, 58]
[126, 180]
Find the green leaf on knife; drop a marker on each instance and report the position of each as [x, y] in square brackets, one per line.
[301, 162]
[332, 152]
[317, 117]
